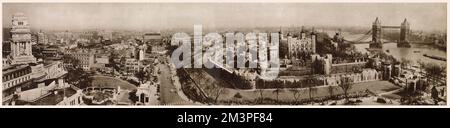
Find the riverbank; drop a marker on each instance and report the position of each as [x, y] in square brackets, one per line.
[415, 53]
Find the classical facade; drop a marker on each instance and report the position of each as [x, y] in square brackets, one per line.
[13, 78]
[85, 57]
[21, 71]
[21, 41]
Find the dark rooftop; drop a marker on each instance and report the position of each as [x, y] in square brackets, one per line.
[54, 99]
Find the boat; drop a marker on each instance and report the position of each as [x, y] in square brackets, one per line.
[416, 51]
[435, 57]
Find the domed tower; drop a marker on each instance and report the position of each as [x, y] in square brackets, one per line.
[21, 51]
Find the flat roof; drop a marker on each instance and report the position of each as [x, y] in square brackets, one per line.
[152, 34]
[13, 69]
[53, 98]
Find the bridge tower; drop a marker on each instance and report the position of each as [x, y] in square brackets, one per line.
[376, 34]
[404, 30]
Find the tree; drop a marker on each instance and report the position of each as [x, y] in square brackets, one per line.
[312, 90]
[278, 90]
[261, 96]
[132, 96]
[219, 91]
[312, 83]
[261, 90]
[331, 91]
[346, 84]
[84, 81]
[295, 92]
[422, 65]
[405, 62]
[434, 73]
[112, 60]
[141, 74]
[76, 75]
[317, 67]
[214, 91]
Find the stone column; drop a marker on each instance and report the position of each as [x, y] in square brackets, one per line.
[13, 49]
[139, 97]
[29, 51]
[17, 49]
[61, 82]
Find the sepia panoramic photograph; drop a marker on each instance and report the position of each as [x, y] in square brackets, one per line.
[224, 54]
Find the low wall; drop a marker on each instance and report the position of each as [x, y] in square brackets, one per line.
[32, 94]
[347, 67]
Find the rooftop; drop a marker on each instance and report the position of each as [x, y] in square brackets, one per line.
[13, 69]
[54, 98]
[152, 34]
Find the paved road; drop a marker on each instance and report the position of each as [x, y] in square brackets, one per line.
[168, 97]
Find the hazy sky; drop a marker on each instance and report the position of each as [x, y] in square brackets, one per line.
[140, 16]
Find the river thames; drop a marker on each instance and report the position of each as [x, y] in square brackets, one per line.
[414, 53]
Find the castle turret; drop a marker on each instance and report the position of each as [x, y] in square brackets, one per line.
[302, 33]
[313, 40]
[280, 34]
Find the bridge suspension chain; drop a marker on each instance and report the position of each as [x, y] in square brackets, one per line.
[367, 35]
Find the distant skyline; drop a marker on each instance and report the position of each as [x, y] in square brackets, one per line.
[160, 16]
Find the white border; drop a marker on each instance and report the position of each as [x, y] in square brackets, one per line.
[237, 1]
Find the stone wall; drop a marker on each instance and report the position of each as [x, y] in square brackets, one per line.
[365, 76]
[348, 67]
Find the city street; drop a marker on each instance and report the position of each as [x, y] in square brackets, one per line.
[168, 91]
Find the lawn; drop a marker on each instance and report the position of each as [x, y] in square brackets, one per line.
[111, 82]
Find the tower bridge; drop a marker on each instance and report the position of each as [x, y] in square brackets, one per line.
[376, 34]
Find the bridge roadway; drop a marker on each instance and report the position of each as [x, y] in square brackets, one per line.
[390, 27]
